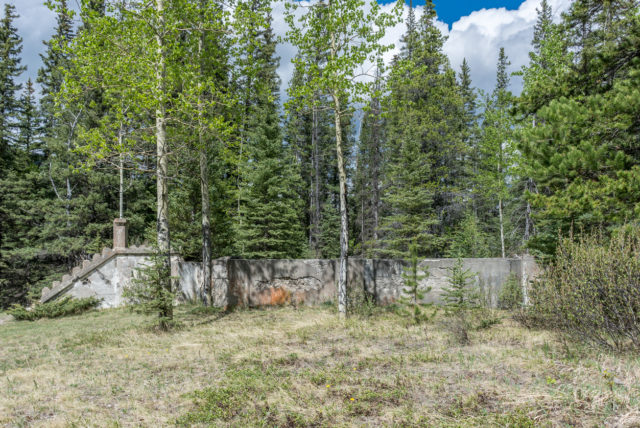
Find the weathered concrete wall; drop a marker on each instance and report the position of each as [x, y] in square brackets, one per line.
[270, 282]
[190, 282]
[274, 282]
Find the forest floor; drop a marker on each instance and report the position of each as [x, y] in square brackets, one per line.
[303, 367]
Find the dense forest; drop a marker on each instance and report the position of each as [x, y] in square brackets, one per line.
[168, 113]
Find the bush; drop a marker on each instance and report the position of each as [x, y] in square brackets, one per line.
[56, 309]
[592, 291]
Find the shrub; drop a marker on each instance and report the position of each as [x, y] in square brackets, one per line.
[63, 307]
[592, 290]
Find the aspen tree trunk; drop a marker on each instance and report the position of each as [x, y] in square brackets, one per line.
[376, 175]
[164, 243]
[344, 231]
[204, 188]
[121, 188]
[501, 227]
[316, 186]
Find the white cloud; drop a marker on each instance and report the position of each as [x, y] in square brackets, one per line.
[35, 25]
[477, 37]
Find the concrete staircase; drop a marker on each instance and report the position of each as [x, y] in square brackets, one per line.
[87, 267]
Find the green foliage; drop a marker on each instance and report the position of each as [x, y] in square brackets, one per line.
[469, 240]
[64, 307]
[497, 157]
[148, 293]
[361, 303]
[591, 292]
[580, 130]
[269, 218]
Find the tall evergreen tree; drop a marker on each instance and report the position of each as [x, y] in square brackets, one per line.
[424, 121]
[368, 174]
[469, 136]
[11, 287]
[10, 70]
[270, 211]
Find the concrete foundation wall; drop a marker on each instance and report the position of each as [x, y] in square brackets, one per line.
[269, 282]
[275, 282]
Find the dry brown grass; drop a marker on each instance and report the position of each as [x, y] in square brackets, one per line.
[287, 367]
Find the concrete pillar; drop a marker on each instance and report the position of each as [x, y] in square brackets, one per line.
[120, 233]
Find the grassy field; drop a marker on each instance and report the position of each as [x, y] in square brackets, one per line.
[287, 367]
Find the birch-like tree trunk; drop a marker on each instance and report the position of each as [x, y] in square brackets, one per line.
[316, 212]
[344, 226]
[204, 187]
[162, 169]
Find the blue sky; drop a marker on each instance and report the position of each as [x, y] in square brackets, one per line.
[449, 11]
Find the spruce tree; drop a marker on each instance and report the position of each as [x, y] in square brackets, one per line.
[424, 149]
[28, 122]
[270, 211]
[10, 70]
[12, 288]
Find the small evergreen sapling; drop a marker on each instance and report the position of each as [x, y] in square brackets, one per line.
[147, 292]
[459, 297]
[413, 293]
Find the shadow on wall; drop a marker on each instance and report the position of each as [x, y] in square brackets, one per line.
[313, 281]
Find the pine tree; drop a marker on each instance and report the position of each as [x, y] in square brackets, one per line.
[368, 174]
[460, 294]
[469, 240]
[580, 152]
[28, 122]
[413, 292]
[469, 136]
[54, 61]
[543, 26]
